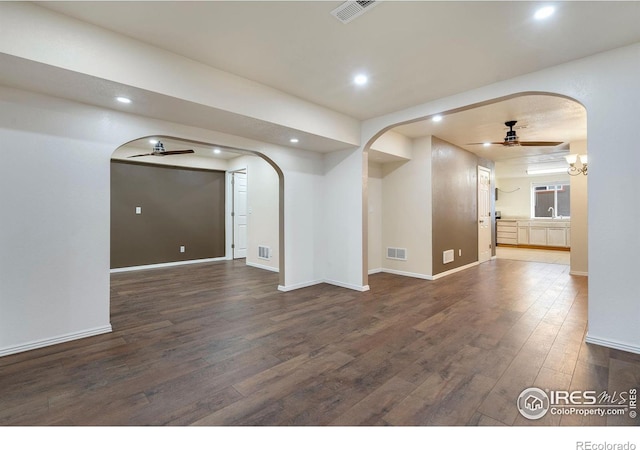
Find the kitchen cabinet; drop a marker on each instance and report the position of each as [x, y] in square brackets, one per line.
[537, 235]
[544, 233]
[523, 233]
[507, 232]
[557, 237]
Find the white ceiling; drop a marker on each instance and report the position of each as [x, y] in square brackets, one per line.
[540, 118]
[413, 52]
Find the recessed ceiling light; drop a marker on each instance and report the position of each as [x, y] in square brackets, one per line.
[123, 100]
[486, 144]
[216, 151]
[437, 118]
[294, 140]
[544, 12]
[153, 141]
[360, 79]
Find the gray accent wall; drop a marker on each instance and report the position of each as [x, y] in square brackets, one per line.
[455, 204]
[179, 207]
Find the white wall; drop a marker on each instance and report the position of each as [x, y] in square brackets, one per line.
[303, 215]
[614, 185]
[262, 204]
[54, 274]
[608, 86]
[579, 217]
[406, 216]
[375, 218]
[393, 143]
[343, 219]
[514, 195]
[54, 234]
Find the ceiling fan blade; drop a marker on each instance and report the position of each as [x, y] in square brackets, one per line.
[174, 152]
[539, 143]
[144, 154]
[482, 143]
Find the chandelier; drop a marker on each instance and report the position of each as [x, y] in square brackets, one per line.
[577, 164]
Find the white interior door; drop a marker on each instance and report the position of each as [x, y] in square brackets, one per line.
[239, 215]
[484, 214]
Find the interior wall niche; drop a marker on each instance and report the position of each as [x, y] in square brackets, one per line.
[165, 214]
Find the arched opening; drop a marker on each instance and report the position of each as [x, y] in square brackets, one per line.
[172, 203]
[446, 154]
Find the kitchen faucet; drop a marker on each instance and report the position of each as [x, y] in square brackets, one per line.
[553, 212]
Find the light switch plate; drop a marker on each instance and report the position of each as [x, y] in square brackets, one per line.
[138, 209]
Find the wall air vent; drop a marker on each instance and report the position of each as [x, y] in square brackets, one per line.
[264, 252]
[447, 256]
[397, 253]
[348, 11]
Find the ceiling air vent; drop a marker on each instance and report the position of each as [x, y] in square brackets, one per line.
[348, 11]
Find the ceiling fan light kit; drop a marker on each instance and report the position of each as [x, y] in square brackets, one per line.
[158, 147]
[511, 138]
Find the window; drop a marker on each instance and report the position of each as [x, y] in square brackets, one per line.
[550, 200]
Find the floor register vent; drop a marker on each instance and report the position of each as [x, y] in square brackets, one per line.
[264, 252]
[348, 11]
[397, 253]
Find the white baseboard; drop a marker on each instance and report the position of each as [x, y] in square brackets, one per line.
[428, 277]
[578, 273]
[354, 287]
[372, 271]
[293, 287]
[408, 274]
[55, 340]
[612, 344]
[169, 264]
[457, 269]
[260, 266]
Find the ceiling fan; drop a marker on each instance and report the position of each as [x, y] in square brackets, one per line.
[512, 139]
[158, 150]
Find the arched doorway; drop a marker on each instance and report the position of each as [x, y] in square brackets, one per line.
[188, 179]
[459, 134]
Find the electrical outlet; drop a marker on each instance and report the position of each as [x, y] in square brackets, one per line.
[138, 209]
[182, 249]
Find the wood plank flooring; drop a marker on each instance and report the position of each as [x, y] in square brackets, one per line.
[217, 344]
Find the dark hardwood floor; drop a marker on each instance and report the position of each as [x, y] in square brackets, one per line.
[217, 344]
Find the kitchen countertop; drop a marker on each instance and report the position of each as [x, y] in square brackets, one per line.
[546, 219]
